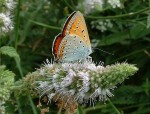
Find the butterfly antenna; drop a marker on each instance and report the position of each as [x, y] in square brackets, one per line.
[104, 51]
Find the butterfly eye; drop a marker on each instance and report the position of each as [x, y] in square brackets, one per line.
[82, 31]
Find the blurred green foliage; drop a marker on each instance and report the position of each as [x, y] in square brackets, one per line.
[37, 22]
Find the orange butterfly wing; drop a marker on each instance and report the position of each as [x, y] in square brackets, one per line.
[59, 38]
[76, 25]
[56, 44]
[66, 24]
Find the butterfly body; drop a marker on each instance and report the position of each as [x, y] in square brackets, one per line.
[73, 43]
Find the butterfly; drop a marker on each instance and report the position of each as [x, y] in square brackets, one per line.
[73, 43]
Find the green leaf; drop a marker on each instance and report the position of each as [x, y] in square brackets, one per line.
[146, 86]
[148, 20]
[137, 31]
[6, 82]
[126, 95]
[6, 76]
[10, 51]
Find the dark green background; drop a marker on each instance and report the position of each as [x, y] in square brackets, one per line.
[37, 23]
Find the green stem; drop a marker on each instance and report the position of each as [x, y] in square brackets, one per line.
[19, 68]
[17, 62]
[32, 105]
[130, 54]
[32, 16]
[44, 25]
[17, 24]
[19, 107]
[113, 106]
[16, 45]
[29, 97]
[72, 3]
[120, 16]
[95, 108]
[134, 106]
[69, 5]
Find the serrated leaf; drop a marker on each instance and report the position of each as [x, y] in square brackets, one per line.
[10, 51]
[6, 76]
[6, 82]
